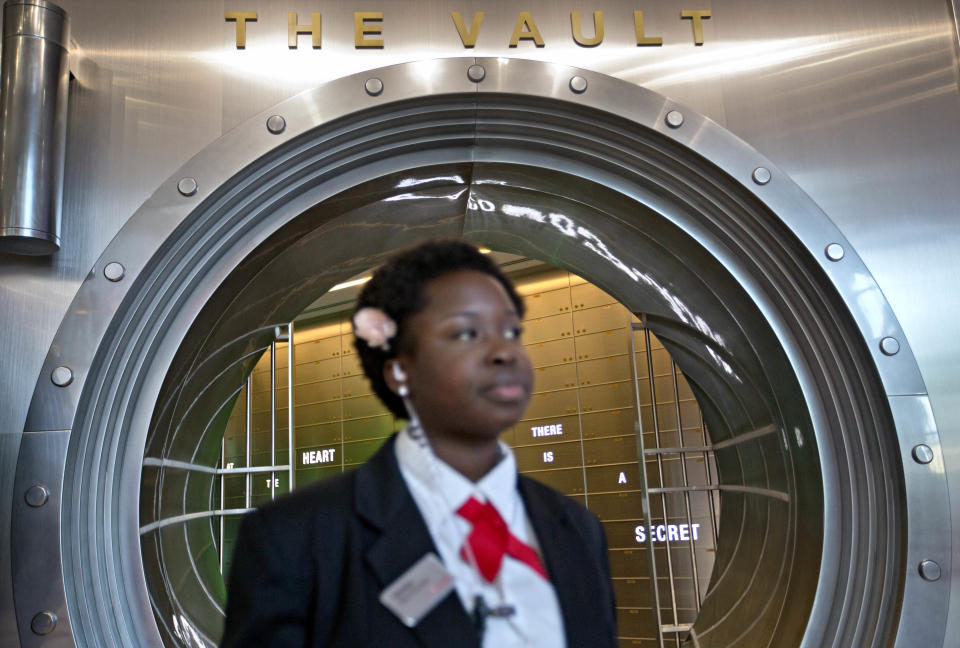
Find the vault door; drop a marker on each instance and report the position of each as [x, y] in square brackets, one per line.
[688, 225]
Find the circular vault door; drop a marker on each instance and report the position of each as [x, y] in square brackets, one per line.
[811, 392]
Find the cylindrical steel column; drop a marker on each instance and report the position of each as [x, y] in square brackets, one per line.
[33, 121]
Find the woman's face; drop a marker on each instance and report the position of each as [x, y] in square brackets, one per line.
[469, 375]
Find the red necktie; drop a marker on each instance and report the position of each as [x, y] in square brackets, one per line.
[490, 540]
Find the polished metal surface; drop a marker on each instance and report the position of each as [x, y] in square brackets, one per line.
[714, 340]
[37, 495]
[44, 623]
[929, 536]
[834, 252]
[187, 186]
[41, 609]
[33, 122]
[855, 102]
[922, 453]
[276, 124]
[114, 271]
[373, 86]
[890, 346]
[761, 175]
[930, 571]
[61, 376]
[476, 73]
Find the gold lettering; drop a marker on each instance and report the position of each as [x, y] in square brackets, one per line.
[469, 38]
[294, 29]
[526, 29]
[578, 33]
[361, 29]
[697, 18]
[241, 17]
[642, 38]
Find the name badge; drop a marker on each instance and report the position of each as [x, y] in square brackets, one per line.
[418, 590]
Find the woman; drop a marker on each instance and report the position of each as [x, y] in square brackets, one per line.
[436, 541]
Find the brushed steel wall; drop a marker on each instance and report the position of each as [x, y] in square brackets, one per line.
[858, 102]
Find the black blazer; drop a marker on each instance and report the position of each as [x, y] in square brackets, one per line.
[309, 567]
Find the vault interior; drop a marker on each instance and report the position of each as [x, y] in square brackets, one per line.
[770, 481]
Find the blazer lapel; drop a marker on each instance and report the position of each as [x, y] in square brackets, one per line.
[383, 500]
[564, 552]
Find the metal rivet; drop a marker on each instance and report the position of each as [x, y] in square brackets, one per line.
[674, 119]
[922, 453]
[761, 175]
[37, 495]
[61, 376]
[114, 271]
[276, 124]
[187, 186]
[578, 84]
[834, 251]
[476, 73]
[373, 86]
[43, 623]
[889, 346]
[929, 571]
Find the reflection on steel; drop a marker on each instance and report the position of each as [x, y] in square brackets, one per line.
[930, 571]
[476, 73]
[187, 186]
[373, 86]
[33, 118]
[114, 271]
[276, 124]
[761, 175]
[890, 346]
[834, 252]
[922, 453]
[37, 495]
[578, 84]
[674, 119]
[43, 623]
[61, 376]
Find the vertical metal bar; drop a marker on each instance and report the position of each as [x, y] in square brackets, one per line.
[645, 491]
[686, 482]
[290, 454]
[273, 417]
[576, 374]
[249, 430]
[345, 325]
[706, 462]
[223, 497]
[663, 497]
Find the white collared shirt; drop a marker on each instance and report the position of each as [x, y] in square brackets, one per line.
[439, 491]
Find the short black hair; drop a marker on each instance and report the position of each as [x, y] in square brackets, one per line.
[396, 288]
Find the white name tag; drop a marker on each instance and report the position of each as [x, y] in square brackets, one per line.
[418, 590]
